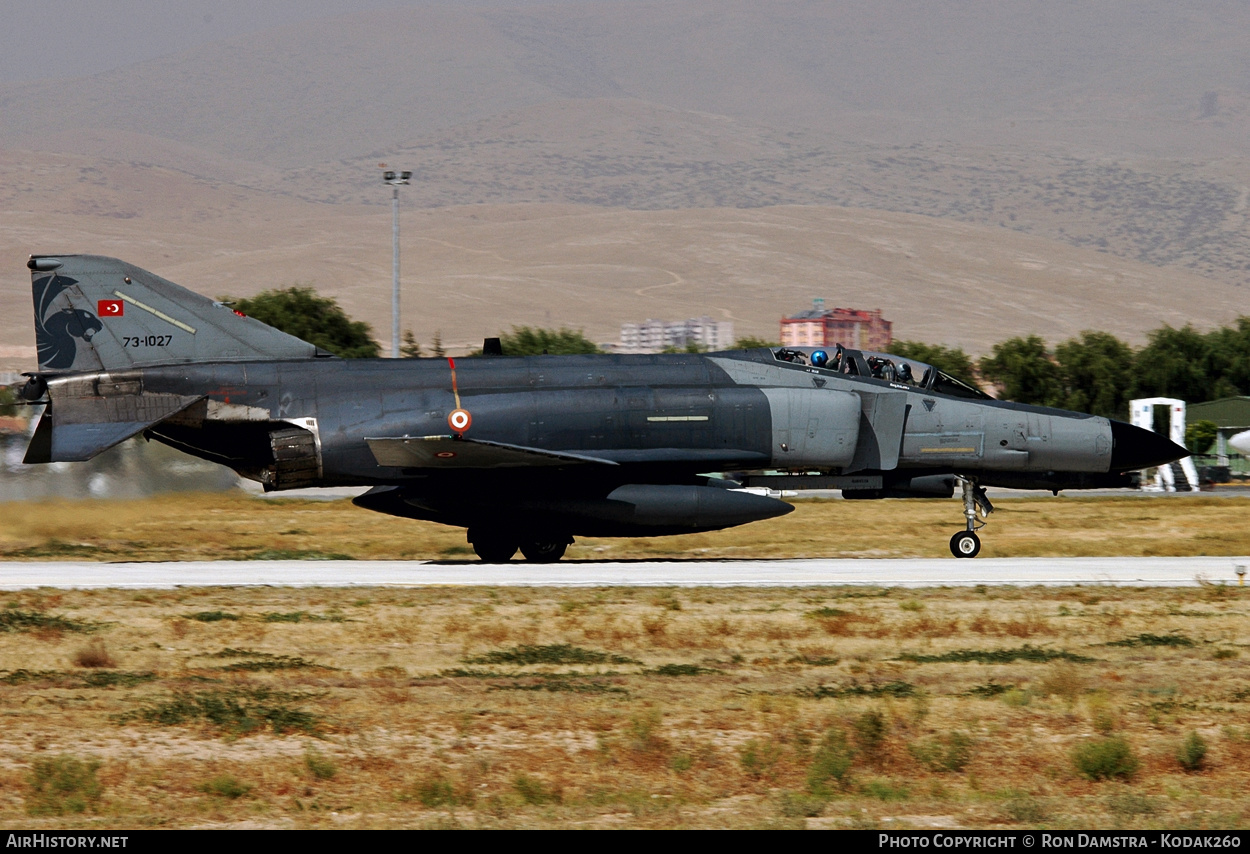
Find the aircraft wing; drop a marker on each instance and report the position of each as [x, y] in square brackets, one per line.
[449, 452]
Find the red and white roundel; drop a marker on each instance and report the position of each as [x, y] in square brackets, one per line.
[459, 420]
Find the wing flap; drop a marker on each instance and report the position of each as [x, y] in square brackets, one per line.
[449, 452]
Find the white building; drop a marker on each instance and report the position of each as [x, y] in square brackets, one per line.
[654, 336]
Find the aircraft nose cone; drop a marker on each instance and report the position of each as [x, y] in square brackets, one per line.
[1135, 448]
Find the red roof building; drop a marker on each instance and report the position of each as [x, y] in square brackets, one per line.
[824, 327]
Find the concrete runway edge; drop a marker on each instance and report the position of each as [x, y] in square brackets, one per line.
[948, 572]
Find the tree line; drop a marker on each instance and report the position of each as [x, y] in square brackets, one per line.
[1094, 372]
[1098, 373]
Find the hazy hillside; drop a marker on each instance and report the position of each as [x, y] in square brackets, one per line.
[1103, 142]
[1125, 76]
[474, 271]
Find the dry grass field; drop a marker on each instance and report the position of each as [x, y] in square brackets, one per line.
[232, 526]
[820, 707]
[519, 707]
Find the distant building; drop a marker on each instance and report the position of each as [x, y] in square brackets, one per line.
[654, 336]
[825, 327]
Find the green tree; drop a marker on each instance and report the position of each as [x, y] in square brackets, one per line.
[1229, 352]
[436, 346]
[410, 348]
[1174, 363]
[525, 341]
[1096, 371]
[1025, 371]
[753, 343]
[688, 347]
[318, 320]
[951, 360]
[1200, 436]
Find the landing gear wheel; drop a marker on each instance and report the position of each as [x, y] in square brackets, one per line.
[494, 549]
[965, 544]
[544, 551]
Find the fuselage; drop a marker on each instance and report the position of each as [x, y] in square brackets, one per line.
[673, 415]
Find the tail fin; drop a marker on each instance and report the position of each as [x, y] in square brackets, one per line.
[94, 313]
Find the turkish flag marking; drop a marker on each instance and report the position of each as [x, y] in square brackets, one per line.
[111, 308]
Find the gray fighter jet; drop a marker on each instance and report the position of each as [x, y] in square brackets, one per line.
[529, 452]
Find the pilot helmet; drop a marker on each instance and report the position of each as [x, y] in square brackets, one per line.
[820, 358]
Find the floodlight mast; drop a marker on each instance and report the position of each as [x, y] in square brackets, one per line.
[395, 179]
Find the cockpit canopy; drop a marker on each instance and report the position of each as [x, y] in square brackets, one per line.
[899, 372]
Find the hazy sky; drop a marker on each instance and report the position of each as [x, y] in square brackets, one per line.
[70, 38]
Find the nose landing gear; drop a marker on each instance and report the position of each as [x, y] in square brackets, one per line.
[966, 543]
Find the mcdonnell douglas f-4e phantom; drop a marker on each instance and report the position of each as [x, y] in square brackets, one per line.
[528, 452]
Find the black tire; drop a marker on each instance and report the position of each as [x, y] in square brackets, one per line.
[494, 549]
[544, 551]
[965, 544]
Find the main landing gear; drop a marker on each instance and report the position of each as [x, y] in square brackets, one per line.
[500, 546]
[966, 543]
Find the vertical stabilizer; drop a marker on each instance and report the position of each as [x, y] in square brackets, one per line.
[94, 313]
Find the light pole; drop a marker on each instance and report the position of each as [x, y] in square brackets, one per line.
[395, 179]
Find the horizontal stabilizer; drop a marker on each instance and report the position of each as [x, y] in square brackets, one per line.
[76, 429]
[448, 452]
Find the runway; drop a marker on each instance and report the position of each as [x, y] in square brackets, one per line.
[1019, 572]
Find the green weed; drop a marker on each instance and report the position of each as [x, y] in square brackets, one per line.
[818, 661]
[1105, 759]
[239, 711]
[996, 656]
[271, 663]
[115, 679]
[62, 679]
[318, 764]
[1175, 640]
[212, 616]
[1192, 753]
[300, 617]
[1128, 803]
[869, 731]
[758, 758]
[225, 786]
[826, 613]
[533, 791]
[644, 733]
[436, 791]
[950, 752]
[1023, 808]
[989, 689]
[831, 764]
[886, 689]
[15, 620]
[560, 653]
[62, 785]
[681, 670]
[801, 804]
[884, 790]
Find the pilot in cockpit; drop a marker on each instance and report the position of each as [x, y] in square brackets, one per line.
[882, 369]
[903, 374]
